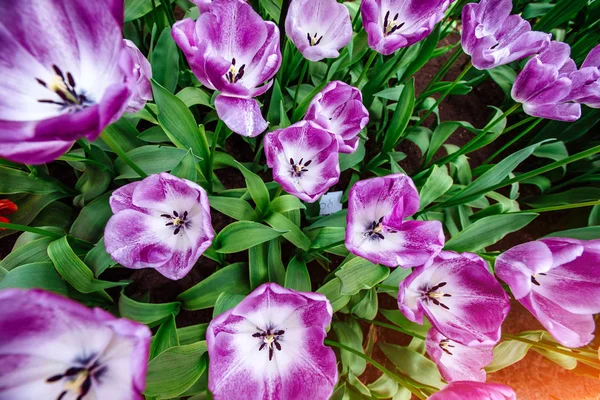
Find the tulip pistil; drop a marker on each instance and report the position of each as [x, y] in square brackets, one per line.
[65, 88]
[392, 26]
[269, 339]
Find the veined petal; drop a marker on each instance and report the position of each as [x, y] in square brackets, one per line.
[243, 116]
[142, 73]
[468, 390]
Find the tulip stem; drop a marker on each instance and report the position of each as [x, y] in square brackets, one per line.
[114, 146]
[405, 382]
[300, 80]
[366, 68]
[25, 228]
[211, 157]
[444, 95]
[516, 138]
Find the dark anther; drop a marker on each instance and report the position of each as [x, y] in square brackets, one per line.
[309, 38]
[494, 46]
[58, 71]
[70, 79]
[176, 231]
[85, 387]
[185, 214]
[165, 215]
[62, 395]
[534, 281]
[306, 164]
[55, 378]
[436, 287]
[41, 82]
[292, 161]
[271, 351]
[396, 16]
[175, 213]
[386, 20]
[233, 61]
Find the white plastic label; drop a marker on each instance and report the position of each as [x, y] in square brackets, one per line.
[330, 203]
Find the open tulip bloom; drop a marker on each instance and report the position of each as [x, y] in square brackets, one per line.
[230, 48]
[60, 82]
[492, 36]
[394, 24]
[162, 222]
[304, 159]
[339, 108]
[318, 28]
[270, 346]
[558, 281]
[376, 225]
[456, 361]
[459, 296]
[54, 348]
[468, 390]
[544, 86]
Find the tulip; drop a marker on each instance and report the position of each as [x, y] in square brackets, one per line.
[544, 86]
[66, 74]
[339, 109]
[394, 24]
[586, 81]
[474, 391]
[492, 36]
[558, 281]
[6, 207]
[318, 28]
[376, 226]
[270, 346]
[304, 159]
[456, 361]
[162, 222]
[54, 348]
[459, 296]
[142, 73]
[230, 48]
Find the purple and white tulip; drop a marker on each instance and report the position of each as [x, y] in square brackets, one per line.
[162, 222]
[492, 36]
[459, 296]
[586, 81]
[394, 24]
[339, 108]
[456, 361]
[204, 5]
[230, 48]
[468, 390]
[270, 346]
[142, 73]
[54, 348]
[66, 74]
[558, 281]
[544, 86]
[318, 28]
[376, 227]
[304, 159]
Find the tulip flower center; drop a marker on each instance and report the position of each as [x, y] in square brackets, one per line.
[534, 279]
[436, 295]
[446, 345]
[300, 168]
[314, 40]
[177, 221]
[376, 229]
[65, 87]
[78, 380]
[234, 74]
[391, 26]
[269, 339]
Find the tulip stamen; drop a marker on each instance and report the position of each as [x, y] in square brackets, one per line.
[446, 346]
[269, 339]
[65, 88]
[177, 221]
[300, 168]
[392, 26]
[78, 380]
[375, 230]
[435, 295]
[234, 74]
[314, 40]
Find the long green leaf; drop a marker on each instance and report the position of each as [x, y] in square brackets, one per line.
[242, 235]
[146, 313]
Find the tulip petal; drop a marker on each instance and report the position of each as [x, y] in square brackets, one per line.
[243, 116]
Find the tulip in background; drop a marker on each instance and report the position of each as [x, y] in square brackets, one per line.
[339, 108]
[162, 222]
[377, 228]
[586, 81]
[558, 281]
[232, 49]
[53, 347]
[270, 346]
[467, 390]
[142, 73]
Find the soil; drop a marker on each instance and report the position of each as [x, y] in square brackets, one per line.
[532, 378]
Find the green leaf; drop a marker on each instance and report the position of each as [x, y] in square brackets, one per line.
[327, 237]
[135, 9]
[40, 275]
[441, 133]
[348, 161]
[192, 334]
[193, 96]
[572, 196]
[92, 219]
[35, 251]
[30, 205]
[173, 371]
[275, 112]
[178, 122]
[73, 270]
[165, 61]
[332, 290]
[438, 183]
[98, 259]
[396, 317]
[510, 352]
[296, 275]
[587, 233]
[231, 279]
[413, 364]
[226, 301]
[186, 169]
[146, 313]
[165, 337]
[401, 117]
[272, 7]
[123, 133]
[14, 181]
[487, 231]
[242, 235]
[562, 12]
[257, 188]
[353, 339]
[152, 159]
[358, 273]
[237, 209]
[367, 306]
[424, 55]
[286, 203]
[293, 233]
[258, 265]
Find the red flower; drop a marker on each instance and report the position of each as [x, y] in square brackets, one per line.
[6, 207]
